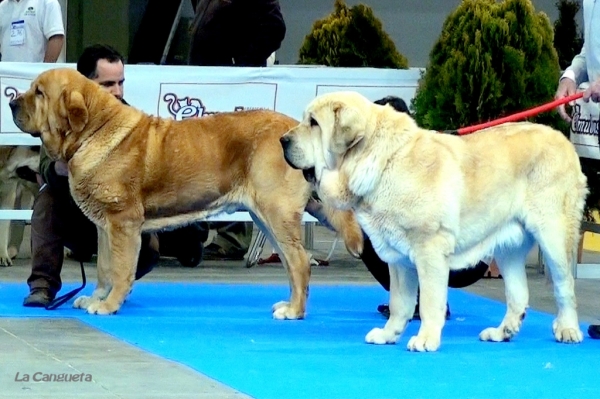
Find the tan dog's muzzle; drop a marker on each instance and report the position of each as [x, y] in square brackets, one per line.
[16, 108]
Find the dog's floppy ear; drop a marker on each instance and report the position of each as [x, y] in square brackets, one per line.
[347, 131]
[77, 112]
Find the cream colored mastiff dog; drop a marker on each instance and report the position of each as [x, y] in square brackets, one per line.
[130, 172]
[433, 202]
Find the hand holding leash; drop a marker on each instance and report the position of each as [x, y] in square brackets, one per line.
[592, 92]
[566, 87]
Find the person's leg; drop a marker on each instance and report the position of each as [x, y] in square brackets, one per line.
[81, 234]
[378, 268]
[47, 248]
[231, 242]
[184, 243]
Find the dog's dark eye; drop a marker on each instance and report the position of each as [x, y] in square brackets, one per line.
[38, 92]
[313, 122]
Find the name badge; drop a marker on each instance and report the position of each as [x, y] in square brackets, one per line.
[17, 33]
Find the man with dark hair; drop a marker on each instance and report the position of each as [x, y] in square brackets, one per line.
[57, 222]
[98, 57]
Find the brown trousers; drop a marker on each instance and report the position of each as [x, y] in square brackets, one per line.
[57, 223]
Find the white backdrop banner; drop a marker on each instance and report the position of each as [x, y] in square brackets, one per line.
[181, 92]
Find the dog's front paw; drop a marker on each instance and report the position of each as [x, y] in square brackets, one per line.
[82, 302]
[495, 334]
[424, 343]
[283, 311]
[279, 305]
[566, 334]
[102, 308]
[510, 326]
[381, 336]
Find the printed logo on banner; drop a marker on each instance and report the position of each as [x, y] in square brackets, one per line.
[10, 89]
[585, 126]
[584, 123]
[184, 108]
[11, 93]
[183, 101]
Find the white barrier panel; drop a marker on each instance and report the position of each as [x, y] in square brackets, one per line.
[181, 92]
[223, 217]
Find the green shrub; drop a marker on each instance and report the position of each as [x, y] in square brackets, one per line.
[492, 59]
[350, 37]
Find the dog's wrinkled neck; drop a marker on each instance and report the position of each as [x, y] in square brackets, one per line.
[102, 119]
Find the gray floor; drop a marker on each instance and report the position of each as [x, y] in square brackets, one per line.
[120, 370]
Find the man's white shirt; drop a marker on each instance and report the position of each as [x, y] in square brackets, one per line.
[586, 65]
[26, 26]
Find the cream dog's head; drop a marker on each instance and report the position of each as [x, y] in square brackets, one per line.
[332, 125]
[57, 108]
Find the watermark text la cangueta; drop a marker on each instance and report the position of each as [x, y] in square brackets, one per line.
[52, 377]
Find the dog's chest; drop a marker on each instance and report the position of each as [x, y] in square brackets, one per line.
[390, 242]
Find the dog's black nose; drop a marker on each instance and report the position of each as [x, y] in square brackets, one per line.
[285, 141]
[13, 104]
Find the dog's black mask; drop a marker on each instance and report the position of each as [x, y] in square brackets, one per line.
[309, 175]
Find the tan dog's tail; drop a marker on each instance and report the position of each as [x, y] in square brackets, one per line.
[342, 222]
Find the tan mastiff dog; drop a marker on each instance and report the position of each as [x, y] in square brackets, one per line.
[131, 172]
[433, 202]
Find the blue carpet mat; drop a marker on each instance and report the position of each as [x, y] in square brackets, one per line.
[226, 332]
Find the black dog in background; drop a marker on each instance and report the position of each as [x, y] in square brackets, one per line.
[379, 269]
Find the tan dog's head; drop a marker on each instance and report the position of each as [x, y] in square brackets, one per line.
[332, 124]
[56, 108]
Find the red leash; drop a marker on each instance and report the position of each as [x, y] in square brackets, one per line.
[515, 117]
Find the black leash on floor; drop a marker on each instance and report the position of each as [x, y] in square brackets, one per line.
[57, 302]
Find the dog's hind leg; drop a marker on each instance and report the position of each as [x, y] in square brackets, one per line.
[102, 268]
[511, 262]
[403, 297]
[560, 255]
[284, 231]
